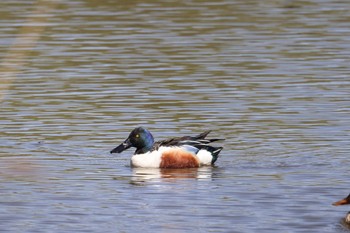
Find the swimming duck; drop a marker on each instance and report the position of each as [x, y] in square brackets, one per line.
[179, 152]
[344, 201]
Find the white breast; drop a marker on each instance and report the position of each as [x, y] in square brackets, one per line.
[149, 159]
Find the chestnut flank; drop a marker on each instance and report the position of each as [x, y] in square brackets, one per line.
[177, 158]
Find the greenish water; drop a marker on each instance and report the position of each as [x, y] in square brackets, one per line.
[269, 76]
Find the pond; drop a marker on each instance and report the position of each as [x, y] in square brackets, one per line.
[271, 77]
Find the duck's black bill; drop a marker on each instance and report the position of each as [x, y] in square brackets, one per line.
[125, 145]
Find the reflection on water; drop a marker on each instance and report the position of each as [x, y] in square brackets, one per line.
[271, 77]
[19, 169]
[147, 174]
[24, 42]
[345, 225]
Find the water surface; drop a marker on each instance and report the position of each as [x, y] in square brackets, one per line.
[271, 77]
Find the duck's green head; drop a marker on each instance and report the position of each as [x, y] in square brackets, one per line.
[140, 138]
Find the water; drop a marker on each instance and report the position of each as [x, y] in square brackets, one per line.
[271, 77]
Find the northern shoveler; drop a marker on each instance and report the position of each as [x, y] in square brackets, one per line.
[344, 201]
[179, 152]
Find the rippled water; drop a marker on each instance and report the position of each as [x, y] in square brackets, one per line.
[271, 77]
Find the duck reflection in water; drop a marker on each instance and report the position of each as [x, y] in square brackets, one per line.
[154, 174]
[344, 201]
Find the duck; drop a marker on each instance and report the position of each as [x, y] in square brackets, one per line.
[177, 152]
[344, 201]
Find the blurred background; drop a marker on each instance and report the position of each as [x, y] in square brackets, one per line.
[271, 77]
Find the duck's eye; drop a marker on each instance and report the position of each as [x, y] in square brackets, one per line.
[137, 135]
